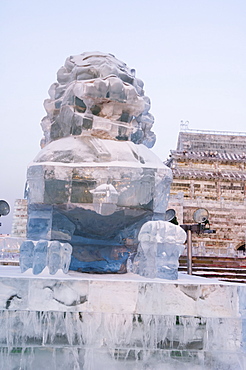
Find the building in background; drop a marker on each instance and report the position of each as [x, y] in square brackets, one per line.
[209, 171]
[19, 219]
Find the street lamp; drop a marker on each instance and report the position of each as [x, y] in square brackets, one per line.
[4, 208]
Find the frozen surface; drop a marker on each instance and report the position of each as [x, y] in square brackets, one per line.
[82, 321]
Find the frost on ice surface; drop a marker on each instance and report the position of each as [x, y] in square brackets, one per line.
[161, 244]
[39, 255]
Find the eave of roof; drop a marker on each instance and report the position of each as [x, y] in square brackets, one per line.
[208, 156]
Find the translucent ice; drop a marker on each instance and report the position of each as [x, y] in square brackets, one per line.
[99, 340]
[26, 255]
[54, 257]
[97, 92]
[39, 257]
[51, 254]
[105, 198]
[66, 251]
[161, 244]
[95, 182]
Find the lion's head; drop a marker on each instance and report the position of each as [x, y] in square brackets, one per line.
[98, 95]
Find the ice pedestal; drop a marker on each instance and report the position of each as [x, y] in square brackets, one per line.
[81, 321]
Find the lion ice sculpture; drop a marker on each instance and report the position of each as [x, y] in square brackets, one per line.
[95, 181]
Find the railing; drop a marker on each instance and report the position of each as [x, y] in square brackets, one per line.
[184, 128]
[9, 250]
[200, 249]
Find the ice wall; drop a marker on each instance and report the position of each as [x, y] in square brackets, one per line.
[122, 322]
[116, 341]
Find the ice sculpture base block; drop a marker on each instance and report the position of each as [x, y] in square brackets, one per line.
[98, 201]
[77, 321]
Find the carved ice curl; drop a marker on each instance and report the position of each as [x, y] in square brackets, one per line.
[99, 95]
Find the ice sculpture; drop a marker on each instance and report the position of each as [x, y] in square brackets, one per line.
[95, 181]
[161, 244]
[38, 255]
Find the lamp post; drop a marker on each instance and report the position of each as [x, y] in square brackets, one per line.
[200, 228]
[4, 208]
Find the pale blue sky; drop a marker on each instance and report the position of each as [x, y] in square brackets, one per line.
[191, 55]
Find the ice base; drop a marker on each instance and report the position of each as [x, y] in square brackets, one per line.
[83, 321]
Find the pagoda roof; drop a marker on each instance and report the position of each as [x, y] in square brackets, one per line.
[208, 156]
[201, 140]
[179, 172]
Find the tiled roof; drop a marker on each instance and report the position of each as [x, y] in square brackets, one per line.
[216, 174]
[209, 155]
